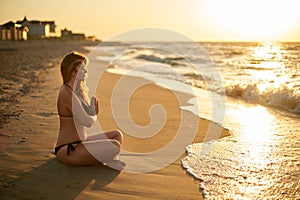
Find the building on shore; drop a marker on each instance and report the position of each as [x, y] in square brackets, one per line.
[69, 35]
[25, 29]
[35, 29]
[13, 31]
[39, 29]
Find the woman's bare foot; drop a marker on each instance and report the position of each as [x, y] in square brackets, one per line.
[116, 164]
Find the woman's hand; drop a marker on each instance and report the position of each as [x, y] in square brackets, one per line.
[94, 105]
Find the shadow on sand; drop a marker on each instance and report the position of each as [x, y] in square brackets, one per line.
[53, 180]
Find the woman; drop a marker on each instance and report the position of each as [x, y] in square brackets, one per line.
[76, 112]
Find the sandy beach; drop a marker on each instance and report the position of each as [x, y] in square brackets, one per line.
[29, 126]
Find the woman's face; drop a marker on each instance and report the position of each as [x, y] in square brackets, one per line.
[81, 72]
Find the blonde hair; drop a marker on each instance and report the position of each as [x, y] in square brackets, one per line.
[69, 65]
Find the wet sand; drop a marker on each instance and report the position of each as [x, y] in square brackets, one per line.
[29, 169]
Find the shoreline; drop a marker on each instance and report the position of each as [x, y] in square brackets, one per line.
[29, 170]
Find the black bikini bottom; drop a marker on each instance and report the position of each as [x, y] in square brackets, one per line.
[69, 148]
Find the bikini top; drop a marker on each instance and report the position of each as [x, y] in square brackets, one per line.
[66, 116]
[81, 111]
[84, 105]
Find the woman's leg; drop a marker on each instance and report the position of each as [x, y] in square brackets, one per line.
[105, 151]
[115, 135]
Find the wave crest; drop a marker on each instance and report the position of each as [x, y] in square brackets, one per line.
[284, 97]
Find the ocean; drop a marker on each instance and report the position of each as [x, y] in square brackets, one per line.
[250, 88]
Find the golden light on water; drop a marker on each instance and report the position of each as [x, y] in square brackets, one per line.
[256, 121]
[257, 129]
[269, 66]
[268, 51]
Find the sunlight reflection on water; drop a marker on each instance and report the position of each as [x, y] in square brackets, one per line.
[260, 161]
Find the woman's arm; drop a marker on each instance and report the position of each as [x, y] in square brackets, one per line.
[80, 114]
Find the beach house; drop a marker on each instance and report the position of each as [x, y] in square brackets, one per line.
[69, 35]
[13, 31]
[27, 29]
[36, 29]
[39, 29]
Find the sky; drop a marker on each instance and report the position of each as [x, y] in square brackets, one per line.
[199, 20]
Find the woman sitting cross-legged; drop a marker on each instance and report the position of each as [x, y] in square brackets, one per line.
[76, 112]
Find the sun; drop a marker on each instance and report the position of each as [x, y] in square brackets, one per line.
[256, 19]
